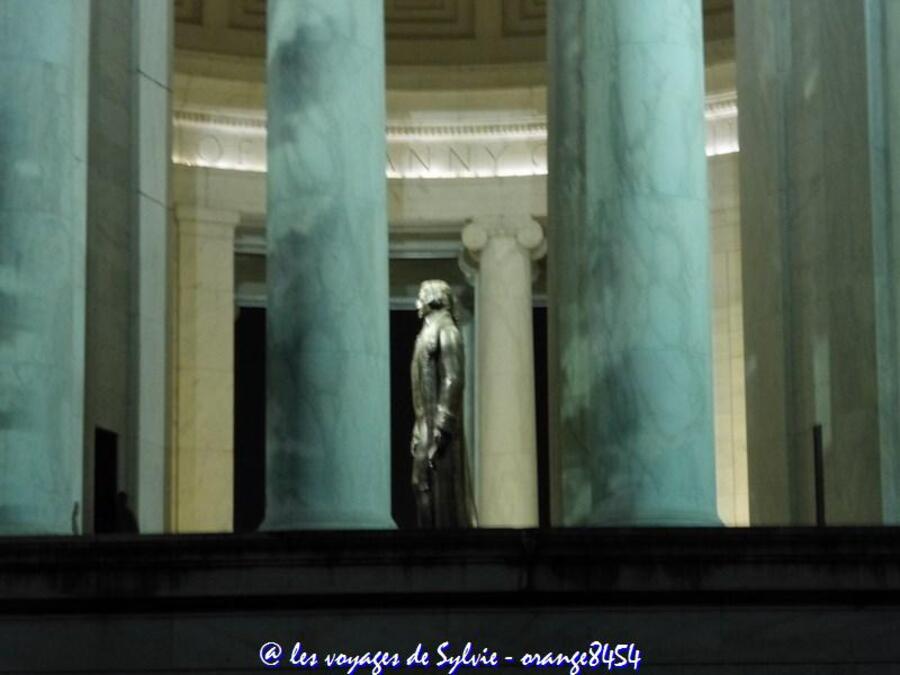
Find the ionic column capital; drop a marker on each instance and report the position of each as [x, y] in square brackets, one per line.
[526, 232]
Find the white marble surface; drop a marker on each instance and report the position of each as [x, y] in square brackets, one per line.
[504, 248]
[728, 342]
[203, 456]
[438, 126]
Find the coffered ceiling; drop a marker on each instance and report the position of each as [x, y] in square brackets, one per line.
[421, 32]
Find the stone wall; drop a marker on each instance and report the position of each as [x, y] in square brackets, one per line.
[707, 602]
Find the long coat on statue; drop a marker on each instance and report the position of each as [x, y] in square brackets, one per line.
[441, 479]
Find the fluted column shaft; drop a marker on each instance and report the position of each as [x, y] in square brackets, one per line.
[507, 492]
[629, 291]
[328, 398]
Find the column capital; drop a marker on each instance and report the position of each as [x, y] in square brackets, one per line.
[527, 232]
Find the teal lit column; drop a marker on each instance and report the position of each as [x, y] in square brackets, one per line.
[328, 398]
[43, 127]
[629, 281]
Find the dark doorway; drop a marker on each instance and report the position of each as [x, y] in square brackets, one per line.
[106, 479]
[404, 328]
[249, 419]
[539, 320]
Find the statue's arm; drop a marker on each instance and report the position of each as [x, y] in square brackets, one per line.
[451, 387]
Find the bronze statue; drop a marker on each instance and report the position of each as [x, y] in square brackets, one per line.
[440, 475]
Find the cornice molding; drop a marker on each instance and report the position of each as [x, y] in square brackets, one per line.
[721, 105]
[440, 148]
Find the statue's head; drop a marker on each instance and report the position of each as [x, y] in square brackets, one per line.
[435, 294]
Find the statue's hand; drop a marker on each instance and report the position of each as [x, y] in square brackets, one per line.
[415, 441]
[433, 452]
[442, 440]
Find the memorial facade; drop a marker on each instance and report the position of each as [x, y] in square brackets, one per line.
[604, 263]
[215, 220]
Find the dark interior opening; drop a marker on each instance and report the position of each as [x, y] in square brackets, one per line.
[249, 419]
[106, 474]
[539, 320]
[405, 325]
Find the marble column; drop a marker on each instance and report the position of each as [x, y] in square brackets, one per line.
[504, 248]
[628, 263]
[203, 459]
[43, 144]
[328, 399]
[819, 97]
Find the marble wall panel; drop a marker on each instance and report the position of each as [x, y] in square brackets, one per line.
[152, 57]
[811, 85]
[109, 353]
[128, 217]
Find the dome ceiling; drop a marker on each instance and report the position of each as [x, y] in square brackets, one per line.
[421, 32]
